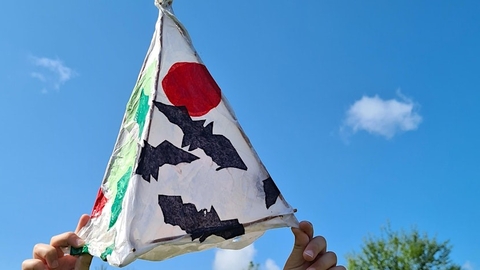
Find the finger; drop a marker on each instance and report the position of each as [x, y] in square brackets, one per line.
[340, 267]
[307, 227]
[84, 219]
[301, 240]
[33, 264]
[326, 261]
[67, 239]
[296, 256]
[46, 254]
[83, 262]
[67, 262]
[316, 247]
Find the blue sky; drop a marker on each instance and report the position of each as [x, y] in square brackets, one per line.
[363, 113]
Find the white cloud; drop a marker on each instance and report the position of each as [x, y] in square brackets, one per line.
[51, 71]
[38, 76]
[382, 117]
[234, 259]
[271, 265]
[468, 266]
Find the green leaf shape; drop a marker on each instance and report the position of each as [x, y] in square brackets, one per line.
[142, 111]
[79, 251]
[107, 252]
[138, 105]
[122, 185]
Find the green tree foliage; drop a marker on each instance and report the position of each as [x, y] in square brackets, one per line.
[253, 266]
[402, 251]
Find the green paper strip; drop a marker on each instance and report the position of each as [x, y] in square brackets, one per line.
[122, 185]
[79, 251]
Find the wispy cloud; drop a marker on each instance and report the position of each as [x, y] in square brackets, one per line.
[53, 73]
[240, 259]
[271, 265]
[38, 76]
[382, 117]
[468, 266]
[234, 259]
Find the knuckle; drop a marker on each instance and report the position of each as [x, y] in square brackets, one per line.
[333, 257]
[61, 238]
[40, 251]
[319, 242]
[26, 265]
[37, 247]
[328, 260]
[321, 239]
[31, 264]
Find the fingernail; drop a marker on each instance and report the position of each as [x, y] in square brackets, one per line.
[79, 242]
[54, 264]
[309, 253]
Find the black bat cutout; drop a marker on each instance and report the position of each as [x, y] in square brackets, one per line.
[152, 158]
[196, 135]
[271, 192]
[199, 224]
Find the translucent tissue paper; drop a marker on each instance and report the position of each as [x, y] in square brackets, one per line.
[183, 176]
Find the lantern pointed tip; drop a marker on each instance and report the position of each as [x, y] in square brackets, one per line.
[163, 3]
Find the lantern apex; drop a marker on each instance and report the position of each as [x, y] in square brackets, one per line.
[163, 3]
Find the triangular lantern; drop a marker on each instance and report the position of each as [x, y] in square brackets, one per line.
[183, 176]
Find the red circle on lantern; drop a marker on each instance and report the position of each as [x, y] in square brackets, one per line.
[191, 85]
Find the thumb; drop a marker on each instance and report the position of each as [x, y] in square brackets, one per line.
[296, 257]
[83, 262]
[84, 219]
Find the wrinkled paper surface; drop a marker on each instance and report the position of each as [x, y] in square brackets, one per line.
[183, 176]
